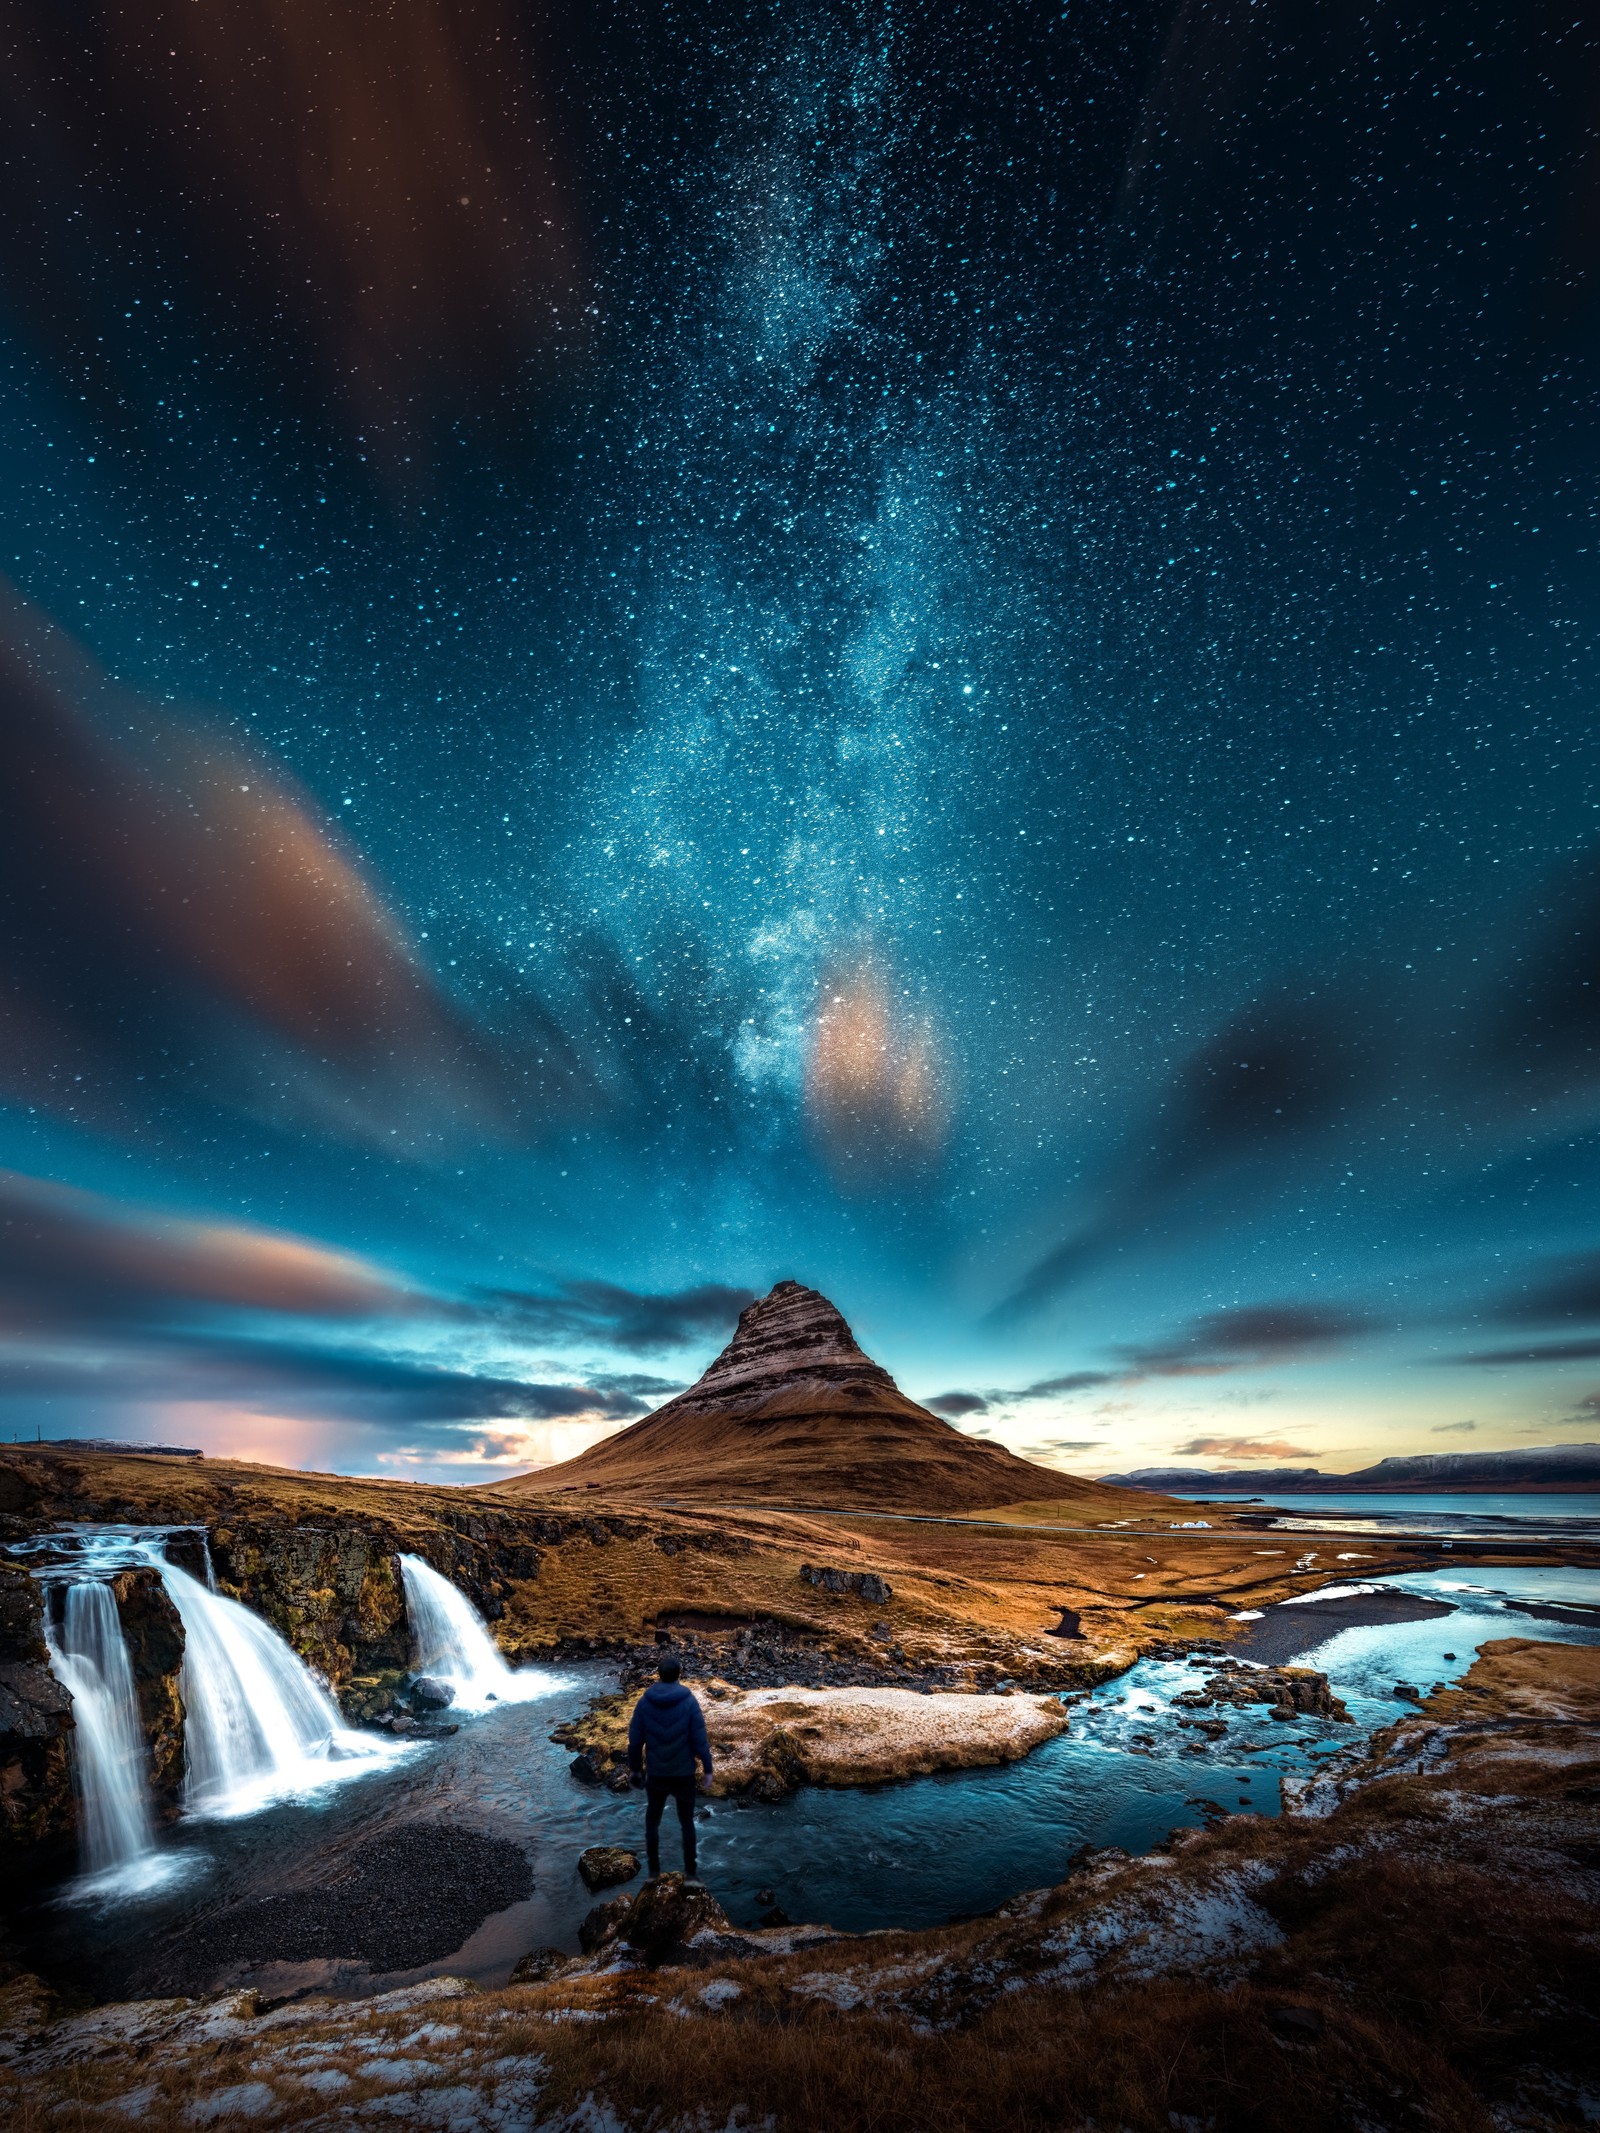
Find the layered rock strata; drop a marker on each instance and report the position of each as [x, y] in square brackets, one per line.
[793, 1412]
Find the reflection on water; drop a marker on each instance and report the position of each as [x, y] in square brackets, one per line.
[1526, 1515]
[910, 1855]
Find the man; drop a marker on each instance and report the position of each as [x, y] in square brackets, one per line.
[666, 1737]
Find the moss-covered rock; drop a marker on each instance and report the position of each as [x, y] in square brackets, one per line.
[153, 1632]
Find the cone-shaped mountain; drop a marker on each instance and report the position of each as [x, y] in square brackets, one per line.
[793, 1412]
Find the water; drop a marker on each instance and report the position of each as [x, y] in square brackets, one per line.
[1365, 1664]
[89, 1656]
[1510, 1513]
[259, 1725]
[453, 1645]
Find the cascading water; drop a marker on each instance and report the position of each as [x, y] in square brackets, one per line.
[90, 1658]
[453, 1645]
[259, 1725]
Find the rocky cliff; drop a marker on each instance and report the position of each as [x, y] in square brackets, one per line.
[153, 1633]
[36, 1801]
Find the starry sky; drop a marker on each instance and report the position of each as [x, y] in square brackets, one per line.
[945, 650]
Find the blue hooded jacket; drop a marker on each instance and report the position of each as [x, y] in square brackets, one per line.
[669, 1727]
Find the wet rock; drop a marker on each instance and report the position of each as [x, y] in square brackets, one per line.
[432, 1693]
[1408, 1692]
[781, 1768]
[153, 1632]
[403, 1722]
[604, 1866]
[1088, 1856]
[537, 1965]
[776, 1915]
[589, 1767]
[860, 1584]
[659, 1923]
[603, 1924]
[765, 1896]
[36, 1802]
[1304, 1691]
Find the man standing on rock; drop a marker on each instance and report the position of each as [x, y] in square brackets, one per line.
[666, 1737]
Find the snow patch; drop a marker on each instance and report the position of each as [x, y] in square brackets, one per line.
[247, 2099]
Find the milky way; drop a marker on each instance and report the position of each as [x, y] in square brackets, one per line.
[951, 654]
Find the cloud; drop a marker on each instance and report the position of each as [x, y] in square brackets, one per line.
[1241, 1448]
[376, 195]
[952, 1404]
[623, 1318]
[1054, 1388]
[1062, 1444]
[1279, 1073]
[876, 1092]
[1248, 1336]
[74, 1258]
[117, 1308]
[1564, 1290]
[1574, 1351]
[174, 914]
[1452, 1429]
[308, 1380]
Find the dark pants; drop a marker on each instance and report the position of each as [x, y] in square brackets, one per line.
[657, 1793]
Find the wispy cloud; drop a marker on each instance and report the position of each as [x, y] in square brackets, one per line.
[631, 1319]
[1247, 1337]
[1241, 1448]
[953, 1404]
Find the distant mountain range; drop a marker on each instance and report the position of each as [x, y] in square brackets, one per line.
[1546, 1466]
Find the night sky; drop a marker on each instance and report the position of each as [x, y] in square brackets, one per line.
[946, 650]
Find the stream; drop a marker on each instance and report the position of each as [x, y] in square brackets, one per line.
[912, 1854]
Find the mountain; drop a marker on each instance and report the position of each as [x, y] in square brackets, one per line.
[792, 1412]
[1545, 1466]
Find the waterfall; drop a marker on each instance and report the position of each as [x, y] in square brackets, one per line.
[259, 1726]
[453, 1644]
[90, 1659]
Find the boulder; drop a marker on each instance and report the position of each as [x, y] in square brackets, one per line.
[538, 1964]
[1301, 1688]
[589, 1767]
[603, 1924]
[432, 1693]
[604, 1866]
[858, 1584]
[659, 1923]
